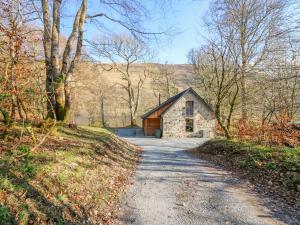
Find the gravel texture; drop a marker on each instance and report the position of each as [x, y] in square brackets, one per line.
[172, 187]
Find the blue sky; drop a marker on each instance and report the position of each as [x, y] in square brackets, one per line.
[187, 20]
[182, 16]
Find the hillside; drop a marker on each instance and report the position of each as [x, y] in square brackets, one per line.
[90, 78]
[75, 177]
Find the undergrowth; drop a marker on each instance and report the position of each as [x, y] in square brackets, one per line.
[275, 169]
[76, 176]
[259, 155]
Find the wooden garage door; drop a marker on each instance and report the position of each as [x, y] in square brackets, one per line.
[150, 125]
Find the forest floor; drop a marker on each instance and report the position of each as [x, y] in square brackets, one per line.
[75, 177]
[172, 186]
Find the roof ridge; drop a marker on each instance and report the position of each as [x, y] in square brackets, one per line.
[174, 97]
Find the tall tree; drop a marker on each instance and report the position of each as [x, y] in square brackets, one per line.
[163, 81]
[16, 54]
[123, 51]
[59, 69]
[279, 88]
[216, 73]
[256, 24]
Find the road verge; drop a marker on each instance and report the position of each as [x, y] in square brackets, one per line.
[273, 170]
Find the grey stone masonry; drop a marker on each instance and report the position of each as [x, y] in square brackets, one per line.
[174, 119]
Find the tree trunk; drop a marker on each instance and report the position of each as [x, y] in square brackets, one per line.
[60, 101]
[133, 119]
[244, 62]
[57, 81]
[243, 97]
[218, 116]
[22, 106]
[68, 101]
[102, 111]
[19, 109]
[77, 28]
[47, 52]
[231, 108]
[58, 78]
[132, 113]
[13, 109]
[50, 93]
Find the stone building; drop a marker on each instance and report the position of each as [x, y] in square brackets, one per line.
[183, 115]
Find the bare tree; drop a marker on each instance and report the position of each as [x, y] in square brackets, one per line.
[247, 61]
[126, 14]
[280, 85]
[256, 24]
[99, 89]
[59, 71]
[217, 74]
[16, 53]
[123, 51]
[163, 81]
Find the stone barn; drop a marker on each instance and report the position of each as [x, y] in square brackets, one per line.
[183, 115]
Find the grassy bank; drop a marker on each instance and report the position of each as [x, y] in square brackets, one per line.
[75, 177]
[276, 170]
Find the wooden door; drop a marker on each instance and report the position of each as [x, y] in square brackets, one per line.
[150, 125]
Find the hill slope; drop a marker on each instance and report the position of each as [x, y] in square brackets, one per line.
[91, 79]
[75, 177]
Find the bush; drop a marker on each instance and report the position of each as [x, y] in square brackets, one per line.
[275, 133]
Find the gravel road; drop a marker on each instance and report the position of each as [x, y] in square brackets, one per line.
[172, 187]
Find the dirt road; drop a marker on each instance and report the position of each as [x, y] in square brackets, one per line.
[172, 187]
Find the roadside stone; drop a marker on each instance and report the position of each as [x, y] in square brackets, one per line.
[53, 174]
[298, 187]
[181, 204]
[270, 183]
[73, 166]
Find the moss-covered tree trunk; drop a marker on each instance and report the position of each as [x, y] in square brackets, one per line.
[60, 101]
[59, 72]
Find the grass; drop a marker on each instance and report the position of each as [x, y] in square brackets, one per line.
[274, 169]
[77, 175]
[259, 155]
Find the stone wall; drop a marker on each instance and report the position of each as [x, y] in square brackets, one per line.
[173, 121]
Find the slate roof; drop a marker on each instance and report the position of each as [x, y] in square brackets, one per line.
[174, 99]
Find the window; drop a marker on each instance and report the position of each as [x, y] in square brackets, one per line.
[189, 125]
[189, 108]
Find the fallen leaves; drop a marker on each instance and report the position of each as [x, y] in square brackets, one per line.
[79, 179]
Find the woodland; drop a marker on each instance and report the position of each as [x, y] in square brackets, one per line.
[66, 63]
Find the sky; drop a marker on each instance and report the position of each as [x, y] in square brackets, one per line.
[182, 17]
[187, 20]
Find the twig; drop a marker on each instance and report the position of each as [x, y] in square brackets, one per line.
[44, 138]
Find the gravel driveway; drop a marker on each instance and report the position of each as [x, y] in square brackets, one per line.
[172, 187]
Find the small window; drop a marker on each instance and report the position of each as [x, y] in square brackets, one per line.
[189, 108]
[189, 125]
